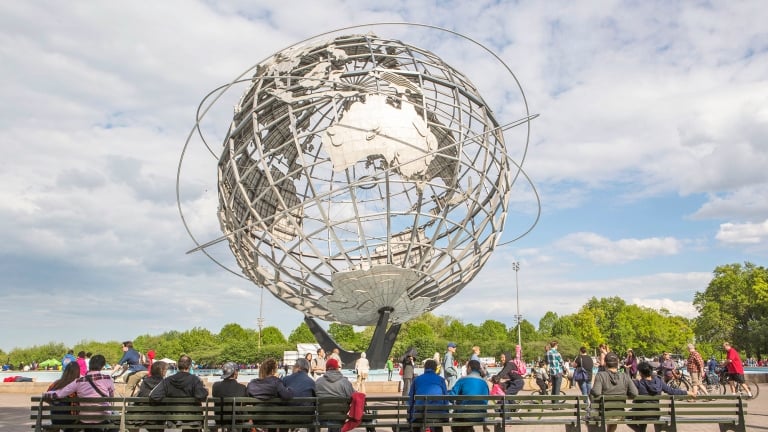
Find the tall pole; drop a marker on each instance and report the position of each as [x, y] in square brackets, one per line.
[260, 319]
[518, 317]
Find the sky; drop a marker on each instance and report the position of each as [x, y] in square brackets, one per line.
[649, 154]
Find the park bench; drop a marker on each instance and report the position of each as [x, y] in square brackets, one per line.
[667, 412]
[244, 413]
[123, 413]
[502, 411]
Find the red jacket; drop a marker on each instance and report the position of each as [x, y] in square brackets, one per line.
[355, 414]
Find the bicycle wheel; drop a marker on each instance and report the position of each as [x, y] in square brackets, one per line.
[754, 389]
[680, 383]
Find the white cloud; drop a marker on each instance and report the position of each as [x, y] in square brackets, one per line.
[602, 250]
[743, 233]
[637, 101]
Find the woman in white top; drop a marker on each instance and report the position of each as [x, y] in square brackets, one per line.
[362, 367]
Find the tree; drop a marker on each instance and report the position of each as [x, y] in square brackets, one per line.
[343, 334]
[301, 334]
[546, 323]
[734, 307]
[272, 336]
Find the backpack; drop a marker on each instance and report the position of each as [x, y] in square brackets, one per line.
[521, 369]
[143, 359]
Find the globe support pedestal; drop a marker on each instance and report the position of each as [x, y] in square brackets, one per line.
[378, 350]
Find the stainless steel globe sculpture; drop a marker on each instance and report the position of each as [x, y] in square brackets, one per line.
[363, 180]
[362, 173]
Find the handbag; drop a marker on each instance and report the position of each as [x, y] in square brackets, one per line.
[580, 374]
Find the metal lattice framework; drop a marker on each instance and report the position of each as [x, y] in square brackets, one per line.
[362, 174]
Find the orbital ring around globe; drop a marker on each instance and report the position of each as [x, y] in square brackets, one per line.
[360, 174]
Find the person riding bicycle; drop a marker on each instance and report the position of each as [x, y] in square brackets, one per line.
[668, 368]
[130, 362]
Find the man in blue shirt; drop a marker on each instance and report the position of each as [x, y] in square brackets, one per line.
[555, 368]
[472, 384]
[428, 383]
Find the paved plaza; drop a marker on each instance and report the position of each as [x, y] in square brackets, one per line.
[15, 411]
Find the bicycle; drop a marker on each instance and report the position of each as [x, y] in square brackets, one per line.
[680, 381]
[725, 382]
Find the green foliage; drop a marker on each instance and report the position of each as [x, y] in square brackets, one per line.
[272, 336]
[343, 334]
[734, 308]
[301, 334]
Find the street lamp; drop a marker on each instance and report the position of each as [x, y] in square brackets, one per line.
[518, 317]
[260, 319]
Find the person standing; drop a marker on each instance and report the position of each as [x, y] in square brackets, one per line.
[695, 367]
[603, 348]
[630, 364]
[228, 386]
[81, 363]
[68, 358]
[390, 367]
[335, 354]
[449, 367]
[362, 367]
[555, 368]
[611, 382]
[318, 363]
[735, 369]
[408, 372]
[585, 362]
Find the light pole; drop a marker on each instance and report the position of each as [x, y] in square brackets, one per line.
[260, 319]
[518, 317]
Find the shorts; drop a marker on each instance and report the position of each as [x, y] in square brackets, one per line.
[737, 377]
[363, 375]
[695, 378]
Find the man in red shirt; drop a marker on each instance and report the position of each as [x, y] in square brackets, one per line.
[735, 368]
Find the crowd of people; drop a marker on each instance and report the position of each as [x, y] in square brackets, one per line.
[320, 375]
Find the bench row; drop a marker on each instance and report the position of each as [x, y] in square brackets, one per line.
[391, 412]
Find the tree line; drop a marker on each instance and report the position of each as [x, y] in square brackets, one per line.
[733, 307]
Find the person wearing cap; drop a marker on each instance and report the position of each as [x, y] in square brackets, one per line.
[611, 382]
[449, 369]
[333, 384]
[299, 380]
[228, 386]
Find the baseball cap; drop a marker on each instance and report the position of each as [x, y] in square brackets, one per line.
[228, 369]
[332, 364]
[611, 360]
[451, 345]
